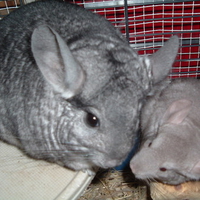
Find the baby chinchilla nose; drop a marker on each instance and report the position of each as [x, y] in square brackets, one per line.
[133, 167]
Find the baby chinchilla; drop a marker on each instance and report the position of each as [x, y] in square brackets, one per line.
[171, 135]
[71, 88]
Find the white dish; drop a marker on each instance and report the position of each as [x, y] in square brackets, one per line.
[23, 178]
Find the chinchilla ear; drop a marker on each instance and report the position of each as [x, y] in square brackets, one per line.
[161, 62]
[56, 62]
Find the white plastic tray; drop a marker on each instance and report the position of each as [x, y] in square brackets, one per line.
[23, 178]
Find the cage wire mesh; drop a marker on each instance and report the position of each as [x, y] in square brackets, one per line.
[8, 6]
[147, 24]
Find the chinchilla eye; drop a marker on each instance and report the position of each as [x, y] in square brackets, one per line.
[92, 120]
[163, 169]
[149, 144]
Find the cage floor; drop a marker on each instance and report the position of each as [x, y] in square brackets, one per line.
[116, 185]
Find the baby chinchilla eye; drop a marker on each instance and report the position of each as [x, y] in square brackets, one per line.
[163, 169]
[92, 120]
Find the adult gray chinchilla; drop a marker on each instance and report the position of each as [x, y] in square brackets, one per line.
[71, 86]
[171, 134]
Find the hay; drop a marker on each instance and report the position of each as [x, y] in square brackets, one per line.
[115, 185]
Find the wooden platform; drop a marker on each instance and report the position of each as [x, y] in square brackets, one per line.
[185, 191]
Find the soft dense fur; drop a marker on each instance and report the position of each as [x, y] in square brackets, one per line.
[71, 87]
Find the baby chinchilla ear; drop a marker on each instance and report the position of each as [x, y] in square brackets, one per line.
[177, 111]
[56, 62]
[157, 67]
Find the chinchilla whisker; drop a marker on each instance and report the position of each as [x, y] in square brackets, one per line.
[26, 165]
[39, 141]
[61, 151]
[152, 179]
[15, 159]
[148, 181]
[163, 194]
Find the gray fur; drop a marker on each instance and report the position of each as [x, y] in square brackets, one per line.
[171, 132]
[60, 62]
